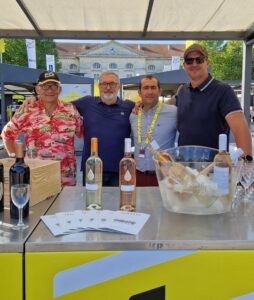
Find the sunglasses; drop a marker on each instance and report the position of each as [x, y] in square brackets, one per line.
[53, 87]
[199, 60]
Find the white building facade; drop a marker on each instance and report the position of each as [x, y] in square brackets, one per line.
[127, 60]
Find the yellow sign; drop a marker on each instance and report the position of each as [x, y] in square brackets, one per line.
[11, 281]
[165, 274]
[2, 46]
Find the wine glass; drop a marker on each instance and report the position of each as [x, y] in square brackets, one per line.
[20, 194]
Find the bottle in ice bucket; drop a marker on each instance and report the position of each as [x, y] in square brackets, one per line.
[127, 179]
[94, 178]
[159, 154]
[168, 167]
[223, 168]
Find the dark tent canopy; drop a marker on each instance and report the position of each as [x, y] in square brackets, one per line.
[173, 77]
[26, 78]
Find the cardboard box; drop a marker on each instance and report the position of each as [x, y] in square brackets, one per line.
[45, 179]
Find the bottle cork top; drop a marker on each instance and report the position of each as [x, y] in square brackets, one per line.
[127, 145]
[19, 149]
[223, 142]
[94, 144]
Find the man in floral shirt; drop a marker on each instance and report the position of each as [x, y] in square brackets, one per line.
[49, 125]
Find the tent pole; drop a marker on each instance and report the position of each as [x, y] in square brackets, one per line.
[246, 79]
[3, 105]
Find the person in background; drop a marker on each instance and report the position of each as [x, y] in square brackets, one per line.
[49, 125]
[107, 118]
[154, 120]
[207, 107]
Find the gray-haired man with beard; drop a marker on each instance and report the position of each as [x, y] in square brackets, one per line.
[107, 118]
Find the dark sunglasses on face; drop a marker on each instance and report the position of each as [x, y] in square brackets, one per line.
[53, 87]
[199, 60]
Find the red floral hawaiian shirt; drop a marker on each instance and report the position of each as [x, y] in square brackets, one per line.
[52, 136]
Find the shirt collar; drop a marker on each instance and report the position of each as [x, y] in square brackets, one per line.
[59, 104]
[118, 101]
[153, 108]
[204, 84]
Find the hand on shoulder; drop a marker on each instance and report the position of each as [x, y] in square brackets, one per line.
[137, 107]
[28, 102]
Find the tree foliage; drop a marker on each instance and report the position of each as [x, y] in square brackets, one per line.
[226, 59]
[15, 52]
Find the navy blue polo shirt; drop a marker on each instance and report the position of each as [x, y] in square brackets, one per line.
[201, 112]
[110, 124]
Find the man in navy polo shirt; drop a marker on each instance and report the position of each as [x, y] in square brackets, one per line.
[107, 118]
[208, 107]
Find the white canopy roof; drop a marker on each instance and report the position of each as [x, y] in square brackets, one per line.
[131, 19]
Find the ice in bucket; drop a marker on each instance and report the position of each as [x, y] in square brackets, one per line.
[187, 183]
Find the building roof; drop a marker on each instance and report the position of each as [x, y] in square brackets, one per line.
[149, 50]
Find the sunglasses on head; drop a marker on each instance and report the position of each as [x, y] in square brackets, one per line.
[199, 60]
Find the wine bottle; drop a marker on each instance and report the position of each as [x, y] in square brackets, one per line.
[127, 179]
[19, 174]
[1, 187]
[223, 167]
[94, 178]
[159, 154]
[168, 167]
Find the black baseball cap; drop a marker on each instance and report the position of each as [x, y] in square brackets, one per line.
[47, 76]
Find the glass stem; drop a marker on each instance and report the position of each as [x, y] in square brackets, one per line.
[20, 217]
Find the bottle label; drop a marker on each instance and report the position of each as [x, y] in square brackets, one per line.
[91, 187]
[221, 178]
[127, 188]
[90, 175]
[127, 176]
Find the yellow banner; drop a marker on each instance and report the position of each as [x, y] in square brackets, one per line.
[189, 43]
[2, 46]
[96, 88]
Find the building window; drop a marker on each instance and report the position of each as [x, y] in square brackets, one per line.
[73, 67]
[129, 66]
[113, 66]
[151, 68]
[96, 66]
[129, 75]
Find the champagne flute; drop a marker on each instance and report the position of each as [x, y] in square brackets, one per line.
[20, 194]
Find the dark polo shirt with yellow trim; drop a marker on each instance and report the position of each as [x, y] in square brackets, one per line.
[201, 112]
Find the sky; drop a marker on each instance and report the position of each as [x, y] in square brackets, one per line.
[121, 41]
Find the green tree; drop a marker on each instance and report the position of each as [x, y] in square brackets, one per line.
[226, 59]
[15, 52]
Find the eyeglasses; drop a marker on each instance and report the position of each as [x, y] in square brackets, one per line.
[110, 84]
[199, 60]
[46, 87]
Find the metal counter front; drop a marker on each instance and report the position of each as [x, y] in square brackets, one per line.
[175, 256]
[12, 248]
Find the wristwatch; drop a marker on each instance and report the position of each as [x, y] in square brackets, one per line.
[248, 158]
[12, 154]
